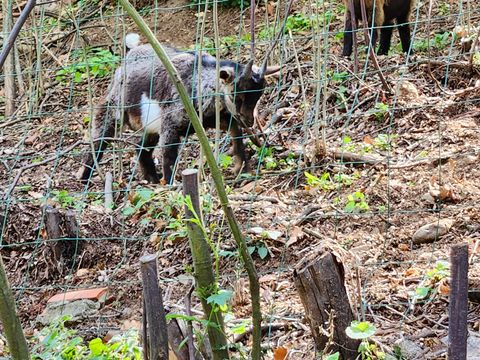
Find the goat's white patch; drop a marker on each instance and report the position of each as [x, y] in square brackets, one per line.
[151, 114]
[227, 89]
[132, 40]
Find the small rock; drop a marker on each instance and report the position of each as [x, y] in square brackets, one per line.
[473, 345]
[77, 310]
[474, 290]
[31, 139]
[433, 231]
[410, 349]
[82, 273]
[408, 92]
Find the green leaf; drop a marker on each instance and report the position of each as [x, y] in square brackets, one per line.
[77, 77]
[360, 330]
[311, 179]
[350, 207]
[239, 329]
[145, 194]
[422, 291]
[262, 252]
[96, 346]
[127, 211]
[335, 356]
[221, 298]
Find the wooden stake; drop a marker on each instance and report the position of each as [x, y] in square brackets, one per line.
[156, 322]
[458, 308]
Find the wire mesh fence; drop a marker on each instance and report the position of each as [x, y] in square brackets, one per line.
[337, 160]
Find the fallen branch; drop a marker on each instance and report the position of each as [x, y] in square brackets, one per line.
[249, 198]
[269, 327]
[345, 156]
[464, 65]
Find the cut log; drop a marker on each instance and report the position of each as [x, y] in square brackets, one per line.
[53, 223]
[327, 308]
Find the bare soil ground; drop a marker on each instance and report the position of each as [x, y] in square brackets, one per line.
[427, 136]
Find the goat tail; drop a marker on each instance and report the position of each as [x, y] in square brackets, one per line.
[103, 126]
[132, 40]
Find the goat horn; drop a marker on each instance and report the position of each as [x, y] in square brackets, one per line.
[247, 72]
[275, 42]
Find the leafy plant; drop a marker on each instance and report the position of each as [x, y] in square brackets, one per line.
[260, 248]
[91, 62]
[440, 41]
[433, 277]
[322, 182]
[327, 182]
[380, 111]
[340, 76]
[56, 341]
[444, 8]
[220, 299]
[363, 330]
[335, 356]
[265, 156]
[158, 207]
[385, 142]
[356, 203]
[225, 161]
[63, 198]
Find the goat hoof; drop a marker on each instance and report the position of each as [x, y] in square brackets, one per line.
[152, 178]
[241, 168]
[83, 174]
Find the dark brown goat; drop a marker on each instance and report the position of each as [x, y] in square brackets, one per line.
[385, 13]
[144, 96]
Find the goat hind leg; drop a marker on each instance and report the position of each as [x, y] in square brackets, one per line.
[404, 32]
[169, 141]
[385, 38]
[145, 157]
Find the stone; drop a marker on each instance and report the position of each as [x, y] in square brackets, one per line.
[76, 310]
[433, 231]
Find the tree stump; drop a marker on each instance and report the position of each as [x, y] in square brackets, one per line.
[327, 309]
[63, 229]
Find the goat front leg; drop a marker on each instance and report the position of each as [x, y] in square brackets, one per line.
[240, 158]
[169, 141]
[103, 126]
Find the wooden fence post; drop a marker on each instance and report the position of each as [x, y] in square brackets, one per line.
[157, 338]
[458, 307]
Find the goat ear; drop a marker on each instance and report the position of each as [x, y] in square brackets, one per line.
[227, 74]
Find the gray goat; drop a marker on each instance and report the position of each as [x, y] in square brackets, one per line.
[142, 90]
